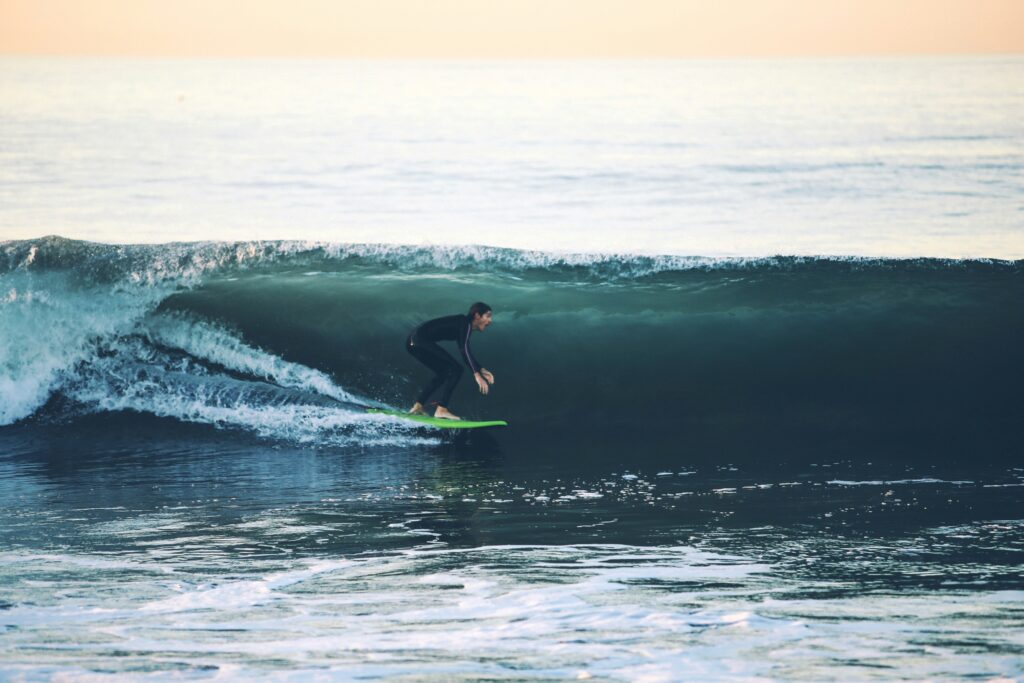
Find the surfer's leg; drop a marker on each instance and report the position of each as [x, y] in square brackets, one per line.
[435, 358]
[451, 379]
[436, 381]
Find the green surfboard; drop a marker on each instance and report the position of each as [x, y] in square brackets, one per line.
[439, 421]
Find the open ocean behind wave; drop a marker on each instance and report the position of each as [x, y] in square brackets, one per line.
[872, 157]
[732, 466]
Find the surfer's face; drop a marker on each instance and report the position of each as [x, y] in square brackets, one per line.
[480, 322]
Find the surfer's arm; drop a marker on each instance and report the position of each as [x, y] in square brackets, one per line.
[467, 353]
[483, 377]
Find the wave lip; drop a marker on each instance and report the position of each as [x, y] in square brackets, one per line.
[190, 262]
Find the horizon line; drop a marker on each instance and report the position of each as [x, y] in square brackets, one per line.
[581, 58]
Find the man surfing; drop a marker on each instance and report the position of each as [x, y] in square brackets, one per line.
[422, 344]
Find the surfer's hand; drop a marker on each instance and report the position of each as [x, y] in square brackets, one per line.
[487, 375]
[482, 383]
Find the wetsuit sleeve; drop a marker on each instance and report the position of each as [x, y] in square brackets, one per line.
[467, 353]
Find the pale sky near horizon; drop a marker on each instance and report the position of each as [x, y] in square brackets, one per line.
[510, 28]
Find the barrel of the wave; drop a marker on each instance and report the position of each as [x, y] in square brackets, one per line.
[919, 357]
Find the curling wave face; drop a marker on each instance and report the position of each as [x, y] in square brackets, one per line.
[281, 338]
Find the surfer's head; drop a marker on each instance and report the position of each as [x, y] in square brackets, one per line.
[479, 316]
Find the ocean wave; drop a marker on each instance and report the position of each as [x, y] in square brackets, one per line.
[282, 338]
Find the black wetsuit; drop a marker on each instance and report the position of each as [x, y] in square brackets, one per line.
[422, 344]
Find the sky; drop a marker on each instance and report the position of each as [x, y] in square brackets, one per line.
[503, 29]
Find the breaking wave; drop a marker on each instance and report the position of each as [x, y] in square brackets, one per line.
[288, 339]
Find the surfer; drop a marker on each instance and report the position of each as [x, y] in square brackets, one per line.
[422, 344]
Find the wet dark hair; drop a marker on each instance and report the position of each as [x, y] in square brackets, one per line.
[479, 308]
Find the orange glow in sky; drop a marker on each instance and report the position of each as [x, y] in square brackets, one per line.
[510, 28]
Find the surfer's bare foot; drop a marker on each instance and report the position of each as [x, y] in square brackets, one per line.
[417, 409]
[443, 412]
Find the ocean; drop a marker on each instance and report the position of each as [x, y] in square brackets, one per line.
[758, 335]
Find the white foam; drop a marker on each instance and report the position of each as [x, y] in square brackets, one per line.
[235, 594]
[551, 612]
[48, 326]
[211, 342]
[60, 332]
[886, 482]
[51, 320]
[131, 375]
